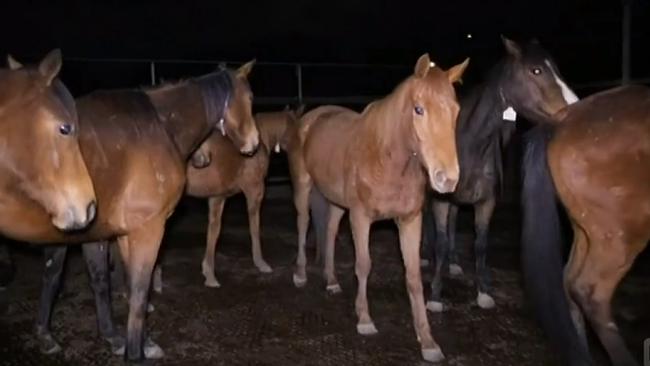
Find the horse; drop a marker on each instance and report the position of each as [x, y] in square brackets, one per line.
[219, 171]
[384, 158]
[525, 82]
[41, 164]
[136, 144]
[595, 159]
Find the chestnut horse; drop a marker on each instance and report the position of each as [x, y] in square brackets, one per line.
[136, 144]
[376, 164]
[525, 82]
[219, 171]
[596, 160]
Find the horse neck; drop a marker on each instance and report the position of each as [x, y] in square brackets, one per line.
[385, 136]
[272, 130]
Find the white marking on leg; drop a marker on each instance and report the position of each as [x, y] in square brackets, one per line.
[485, 301]
[569, 96]
[435, 306]
[48, 263]
[433, 354]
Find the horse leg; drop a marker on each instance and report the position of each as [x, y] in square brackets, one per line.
[254, 198]
[410, 230]
[140, 249]
[428, 234]
[96, 256]
[118, 275]
[157, 282]
[482, 215]
[605, 265]
[214, 229]
[302, 190]
[360, 224]
[454, 264]
[54, 260]
[440, 212]
[318, 207]
[333, 221]
[6, 266]
[571, 272]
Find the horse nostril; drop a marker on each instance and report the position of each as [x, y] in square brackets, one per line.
[440, 177]
[91, 211]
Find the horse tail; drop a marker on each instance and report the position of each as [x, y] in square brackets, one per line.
[542, 250]
[319, 208]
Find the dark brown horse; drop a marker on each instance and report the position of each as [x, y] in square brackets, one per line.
[136, 144]
[41, 167]
[219, 171]
[596, 160]
[377, 164]
[526, 82]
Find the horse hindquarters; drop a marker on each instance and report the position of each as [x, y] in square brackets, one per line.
[542, 256]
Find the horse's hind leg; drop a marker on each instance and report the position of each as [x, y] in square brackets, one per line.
[440, 212]
[482, 215]
[96, 256]
[409, 233]
[605, 265]
[454, 264]
[360, 231]
[140, 249]
[333, 221]
[254, 198]
[214, 228]
[302, 184]
[571, 272]
[54, 260]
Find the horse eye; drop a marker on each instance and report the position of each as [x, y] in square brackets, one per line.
[65, 129]
[536, 71]
[419, 110]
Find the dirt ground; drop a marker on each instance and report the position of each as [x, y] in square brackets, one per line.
[262, 319]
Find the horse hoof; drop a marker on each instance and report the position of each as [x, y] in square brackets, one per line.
[485, 301]
[367, 329]
[298, 281]
[48, 345]
[334, 289]
[424, 262]
[264, 267]
[212, 283]
[150, 308]
[455, 270]
[434, 306]
[152, 351]
[432, 354]
[118, 345]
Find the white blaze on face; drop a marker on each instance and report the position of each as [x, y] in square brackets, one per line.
[569, 96]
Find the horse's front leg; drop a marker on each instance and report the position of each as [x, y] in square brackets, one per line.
[410, 229]
[334, 216]
[96, 256]
[360, 224]
[139, 251]
[482, 215]
[254, 195]
[54, 257]
[441, 213]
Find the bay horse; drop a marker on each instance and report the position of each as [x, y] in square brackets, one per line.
[41, 164]
[526, 82]
[376, 164]
[218, 171]
[595, 158]
[136, 144]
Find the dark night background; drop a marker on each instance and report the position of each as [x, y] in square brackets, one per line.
[583, 35]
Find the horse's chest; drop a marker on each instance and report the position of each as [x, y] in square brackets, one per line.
[392, 197]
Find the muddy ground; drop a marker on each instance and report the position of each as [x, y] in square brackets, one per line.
[262, 319]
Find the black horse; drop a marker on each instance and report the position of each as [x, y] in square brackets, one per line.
[525, 82]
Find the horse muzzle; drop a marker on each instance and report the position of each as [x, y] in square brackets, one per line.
[443, 182]
[72, 218]
[251, 146]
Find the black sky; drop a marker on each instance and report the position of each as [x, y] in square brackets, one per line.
[583, 35]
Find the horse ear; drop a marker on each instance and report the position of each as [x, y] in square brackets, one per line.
[455, 73]
[511, 46]
[12, 63]
[245, 69]
[422, 66]
[50, 65]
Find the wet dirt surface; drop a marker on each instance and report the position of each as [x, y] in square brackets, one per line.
[262, 319]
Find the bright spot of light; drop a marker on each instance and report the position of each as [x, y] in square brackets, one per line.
[469, 36]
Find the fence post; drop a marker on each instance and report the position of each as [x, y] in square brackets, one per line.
[299, 77]
[152, 71]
